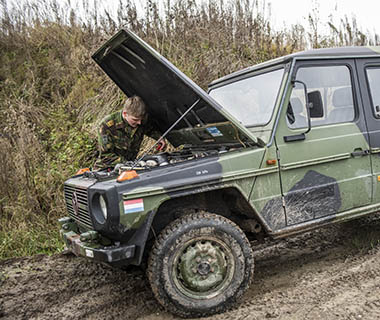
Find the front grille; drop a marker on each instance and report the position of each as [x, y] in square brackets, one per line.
[82, 214]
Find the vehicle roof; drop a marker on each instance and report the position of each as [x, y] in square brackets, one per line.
[324, 53]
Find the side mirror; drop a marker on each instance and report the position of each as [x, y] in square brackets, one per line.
[315, 98]
[315, 104]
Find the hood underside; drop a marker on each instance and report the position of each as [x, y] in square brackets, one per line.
[139, 70]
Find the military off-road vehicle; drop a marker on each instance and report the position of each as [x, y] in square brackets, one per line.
[273, 150]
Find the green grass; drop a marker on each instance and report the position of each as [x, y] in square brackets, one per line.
[26, 242]
[53, 96]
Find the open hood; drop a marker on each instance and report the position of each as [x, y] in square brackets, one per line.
[139, 70]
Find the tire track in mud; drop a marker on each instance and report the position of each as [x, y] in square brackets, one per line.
[326, 279]
[66, 287]
[318, 275]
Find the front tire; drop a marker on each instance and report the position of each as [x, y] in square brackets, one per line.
[200, 265]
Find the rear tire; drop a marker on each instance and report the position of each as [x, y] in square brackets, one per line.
[200, 265]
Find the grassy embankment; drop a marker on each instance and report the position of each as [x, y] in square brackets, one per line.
[52, 95]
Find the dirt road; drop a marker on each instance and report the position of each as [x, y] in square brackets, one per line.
[332, 273]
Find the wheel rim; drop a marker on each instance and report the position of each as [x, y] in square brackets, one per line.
[203, 267]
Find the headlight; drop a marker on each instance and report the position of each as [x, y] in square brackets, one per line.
[100, 208]
[103, 206]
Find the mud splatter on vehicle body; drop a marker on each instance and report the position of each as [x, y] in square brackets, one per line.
[272, 150]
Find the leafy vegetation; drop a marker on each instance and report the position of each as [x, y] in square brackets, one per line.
[52, 95]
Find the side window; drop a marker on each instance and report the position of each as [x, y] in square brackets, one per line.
[334, 85]
[373, 76]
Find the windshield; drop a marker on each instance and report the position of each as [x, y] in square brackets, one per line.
[251, 100]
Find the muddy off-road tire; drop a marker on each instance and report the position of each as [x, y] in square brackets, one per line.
[200, 265]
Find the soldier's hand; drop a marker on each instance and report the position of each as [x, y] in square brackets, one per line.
[161, 145]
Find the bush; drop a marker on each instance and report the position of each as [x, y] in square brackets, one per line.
[53, 96]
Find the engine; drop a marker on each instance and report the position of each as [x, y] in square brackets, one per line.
[151, 162]
[164, 159]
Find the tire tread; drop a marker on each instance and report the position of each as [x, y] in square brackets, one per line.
[159, 246]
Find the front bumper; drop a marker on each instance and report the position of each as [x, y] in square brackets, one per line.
[93, 250]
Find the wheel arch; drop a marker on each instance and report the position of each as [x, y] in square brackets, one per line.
[228, 202]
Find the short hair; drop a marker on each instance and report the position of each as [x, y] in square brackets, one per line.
[135, 107]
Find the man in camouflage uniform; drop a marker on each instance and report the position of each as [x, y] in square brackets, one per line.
[121, 133]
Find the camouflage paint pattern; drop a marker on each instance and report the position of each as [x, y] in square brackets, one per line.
[118, 141]
[291, 187]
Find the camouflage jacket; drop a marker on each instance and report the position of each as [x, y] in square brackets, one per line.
[118, 141]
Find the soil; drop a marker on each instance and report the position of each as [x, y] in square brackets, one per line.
[330, 273]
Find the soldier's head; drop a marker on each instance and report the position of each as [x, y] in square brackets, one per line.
[134, 111]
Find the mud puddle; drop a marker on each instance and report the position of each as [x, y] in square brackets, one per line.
[331, 273]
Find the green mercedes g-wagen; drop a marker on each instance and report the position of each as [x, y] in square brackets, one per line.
[273, 150]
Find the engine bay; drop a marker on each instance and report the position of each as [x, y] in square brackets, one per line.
[155, 161]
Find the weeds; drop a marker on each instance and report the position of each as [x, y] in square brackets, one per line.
[53, 96]
[366, 239]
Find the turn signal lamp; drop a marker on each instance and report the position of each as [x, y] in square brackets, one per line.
[127, 175]
[271, 162]
[83, 170]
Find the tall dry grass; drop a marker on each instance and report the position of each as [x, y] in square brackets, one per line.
[52, 96]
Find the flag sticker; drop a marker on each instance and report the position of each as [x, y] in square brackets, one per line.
[214, 131]
[131, 206]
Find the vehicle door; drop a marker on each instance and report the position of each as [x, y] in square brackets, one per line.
[369, 79]
[253, 98]
[329, 170]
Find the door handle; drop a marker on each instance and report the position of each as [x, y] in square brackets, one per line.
[359, 152]
[377, 111]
